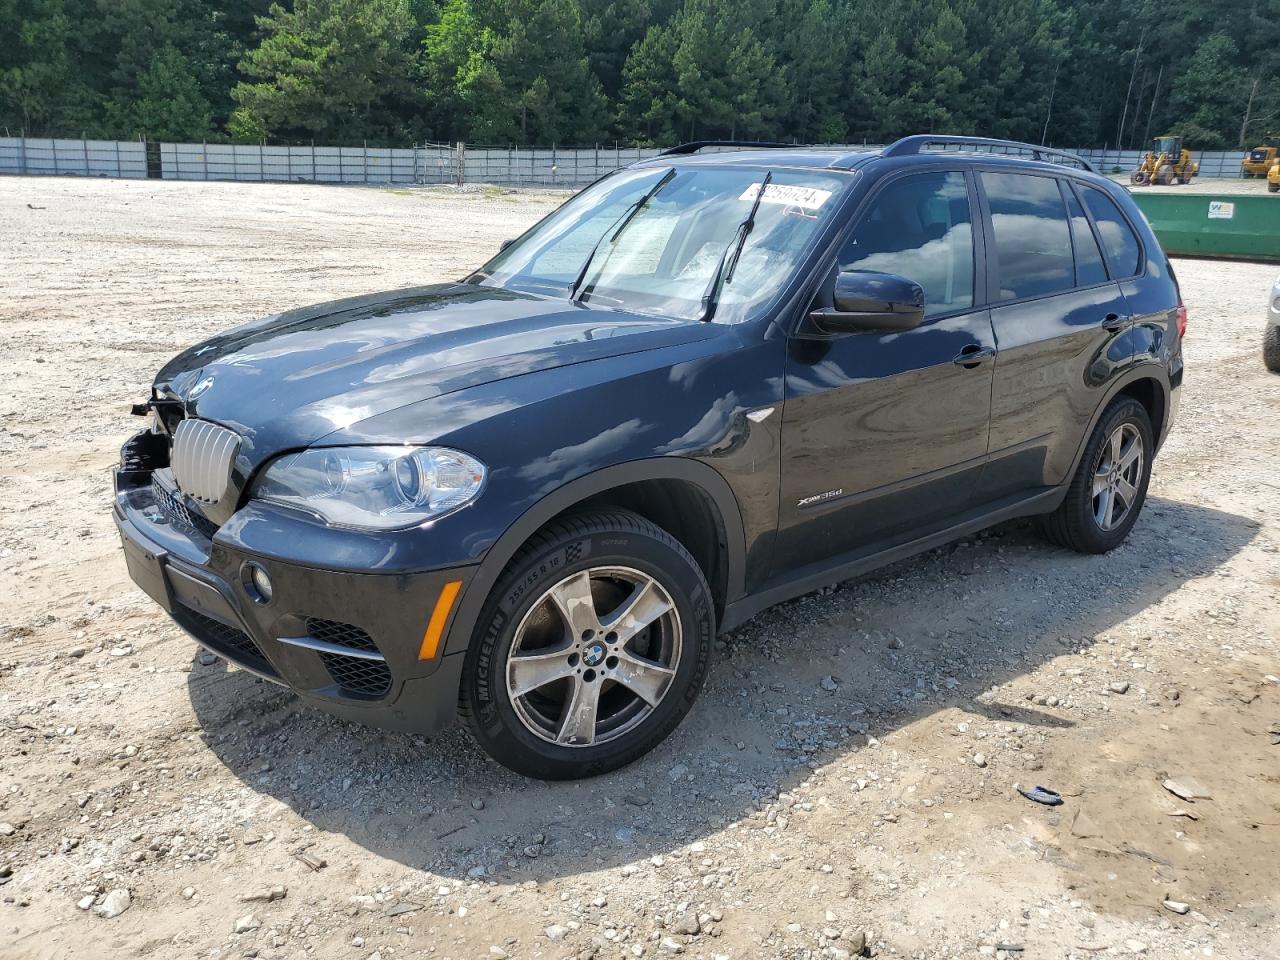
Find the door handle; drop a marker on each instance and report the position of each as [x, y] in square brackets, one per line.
[972, 355]
[1114, 323]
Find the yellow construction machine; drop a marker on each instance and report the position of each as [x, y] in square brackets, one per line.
[1262, 157]
[1168, 161]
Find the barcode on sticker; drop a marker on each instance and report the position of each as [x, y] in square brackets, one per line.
[811, 198]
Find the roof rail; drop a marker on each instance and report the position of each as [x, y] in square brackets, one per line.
[696, 145]
[910, 146]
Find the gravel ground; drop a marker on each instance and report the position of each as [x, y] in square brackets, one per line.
[845, 784]
[1228, 186]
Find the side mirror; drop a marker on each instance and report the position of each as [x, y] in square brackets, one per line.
[505, 244]
[866, 302]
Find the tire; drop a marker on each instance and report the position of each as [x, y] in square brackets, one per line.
[1273, 188]
[1076, 524]
[619, 557]
[1271, 348]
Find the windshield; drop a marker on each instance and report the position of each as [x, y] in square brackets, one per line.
[1168, 145]
[659, 256]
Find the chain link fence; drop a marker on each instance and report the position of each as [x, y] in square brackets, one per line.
[430, 163]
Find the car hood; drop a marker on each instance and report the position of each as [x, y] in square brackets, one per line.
[288, 380]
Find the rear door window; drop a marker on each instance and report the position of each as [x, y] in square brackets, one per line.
[921, 228]
[1118, 239]
[1032, 235]
[1089, 266]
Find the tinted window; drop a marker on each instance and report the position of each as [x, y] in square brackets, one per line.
[1089, 266]
[1118, 239]
[920, 228]
[1033, 240]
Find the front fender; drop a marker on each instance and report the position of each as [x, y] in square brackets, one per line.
[711, 483]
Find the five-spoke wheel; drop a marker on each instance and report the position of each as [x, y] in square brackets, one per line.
[594, 656]
[592, 647]
[1117, 476]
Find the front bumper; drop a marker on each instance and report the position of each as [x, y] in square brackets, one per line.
[353, 644]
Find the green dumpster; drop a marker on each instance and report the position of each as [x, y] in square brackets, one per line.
[1225, 226]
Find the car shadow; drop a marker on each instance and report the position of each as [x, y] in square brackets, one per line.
[828, 675]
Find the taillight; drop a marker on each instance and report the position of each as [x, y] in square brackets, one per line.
[1182, 321]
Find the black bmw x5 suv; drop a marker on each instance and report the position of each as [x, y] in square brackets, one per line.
[708, 383]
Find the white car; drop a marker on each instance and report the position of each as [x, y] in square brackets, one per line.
[1271, 340]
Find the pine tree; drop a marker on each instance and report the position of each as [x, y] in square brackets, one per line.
[338, 71]
[172, 105]
[1209, 93]
[543, 64]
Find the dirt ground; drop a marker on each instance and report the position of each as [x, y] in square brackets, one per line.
[847, 776]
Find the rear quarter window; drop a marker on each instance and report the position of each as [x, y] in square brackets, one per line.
[1089, 263]
[1124, 252]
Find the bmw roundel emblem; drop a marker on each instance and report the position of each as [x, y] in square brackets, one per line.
[200, 388]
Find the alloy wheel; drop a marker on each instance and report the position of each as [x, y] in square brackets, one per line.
[594, 656]
[1117, 476]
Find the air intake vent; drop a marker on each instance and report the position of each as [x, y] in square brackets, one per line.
[202, 456]
[223, 640]
[343, 634]
[364, 671]
[357, 675]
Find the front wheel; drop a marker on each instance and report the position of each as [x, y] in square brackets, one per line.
[1273, 188]
[592, 647]
[1110, 486]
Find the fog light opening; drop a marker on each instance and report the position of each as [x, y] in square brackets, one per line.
[256, 583]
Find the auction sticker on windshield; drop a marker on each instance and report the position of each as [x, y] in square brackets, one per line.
[789, 195]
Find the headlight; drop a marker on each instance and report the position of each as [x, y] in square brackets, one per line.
[373, 488]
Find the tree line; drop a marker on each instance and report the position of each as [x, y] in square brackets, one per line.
[572, 72]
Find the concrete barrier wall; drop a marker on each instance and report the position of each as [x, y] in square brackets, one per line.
[1213, 163]
[79, 158]
[221, 161]
[424, 164]
[511, 166]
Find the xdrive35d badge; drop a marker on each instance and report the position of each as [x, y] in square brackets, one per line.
[706, 384]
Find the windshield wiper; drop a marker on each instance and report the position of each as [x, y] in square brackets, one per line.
[711, 296]
[621, 224]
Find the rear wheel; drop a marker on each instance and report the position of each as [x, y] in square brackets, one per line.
[1110, 486]
[1271, 348]
[592, 648]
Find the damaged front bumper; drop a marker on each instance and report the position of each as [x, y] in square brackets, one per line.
[355, 644]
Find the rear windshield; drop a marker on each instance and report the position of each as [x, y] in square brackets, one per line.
[661, 259]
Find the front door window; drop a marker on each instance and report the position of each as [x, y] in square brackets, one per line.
[920, 228]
